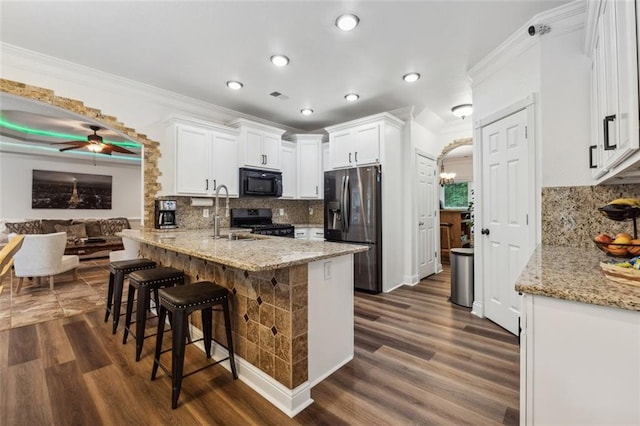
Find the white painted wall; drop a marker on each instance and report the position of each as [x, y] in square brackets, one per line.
[16, 178]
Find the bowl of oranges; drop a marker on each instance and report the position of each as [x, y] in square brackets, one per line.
[621, 245]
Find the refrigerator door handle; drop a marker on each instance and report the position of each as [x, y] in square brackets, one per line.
[347, 205]
[342, 206]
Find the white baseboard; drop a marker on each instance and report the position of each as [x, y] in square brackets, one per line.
[411, 280]
[330, 372]
[393, 288]
[289, 401]
[477, 309]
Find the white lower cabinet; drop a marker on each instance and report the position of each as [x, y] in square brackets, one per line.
[302, 233]
[316, 234]
[311, 234]
[579, 363]
[198, 157]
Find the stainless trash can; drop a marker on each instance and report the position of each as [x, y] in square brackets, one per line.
[462, 276]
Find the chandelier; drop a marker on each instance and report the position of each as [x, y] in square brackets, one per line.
[445, 178]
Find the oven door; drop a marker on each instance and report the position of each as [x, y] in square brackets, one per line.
[260, 183]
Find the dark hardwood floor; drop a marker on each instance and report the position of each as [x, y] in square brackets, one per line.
[419, 360]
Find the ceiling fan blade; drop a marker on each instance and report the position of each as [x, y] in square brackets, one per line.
[77, 146]
[68, 142]
[115, 148]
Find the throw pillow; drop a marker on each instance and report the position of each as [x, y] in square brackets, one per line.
[28, 227]
[49, 225]
[110, 227]
[93, 227]
[74, 232]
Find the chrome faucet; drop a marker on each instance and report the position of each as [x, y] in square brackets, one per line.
[216, 219]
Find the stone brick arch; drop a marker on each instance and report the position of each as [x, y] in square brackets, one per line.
[151, 151]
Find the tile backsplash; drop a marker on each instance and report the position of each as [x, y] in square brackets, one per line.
[570, 215]
[295, 211]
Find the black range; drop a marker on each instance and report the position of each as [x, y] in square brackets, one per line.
[260, 221]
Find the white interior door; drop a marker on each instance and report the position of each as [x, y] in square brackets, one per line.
[505, 215]
[426, 169]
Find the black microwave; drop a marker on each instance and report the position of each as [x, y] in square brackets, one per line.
[260, 183]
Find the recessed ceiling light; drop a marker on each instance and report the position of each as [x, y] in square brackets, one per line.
[462, 111]
[411, 77]
[352, 97]
[306, 111]
[347, 22]
[279, 60]
[235, 85]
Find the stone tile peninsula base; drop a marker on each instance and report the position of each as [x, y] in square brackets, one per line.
[292, 326]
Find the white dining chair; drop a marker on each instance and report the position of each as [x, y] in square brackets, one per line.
[42, 255]
[131, 247]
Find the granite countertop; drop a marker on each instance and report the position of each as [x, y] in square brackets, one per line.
[258, 253]
[573, 273]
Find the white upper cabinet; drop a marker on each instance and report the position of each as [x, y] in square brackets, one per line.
[612, 43]
[259, 145]
[359, 142]
[326, 157]
[309, 166]
[198, 157]
[289, 159]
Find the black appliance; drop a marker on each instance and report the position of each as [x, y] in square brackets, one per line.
[260, 183]
[165, 214]
[353, 214]
[260, 222]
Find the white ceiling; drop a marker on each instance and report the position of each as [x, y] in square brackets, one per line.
[194, 47]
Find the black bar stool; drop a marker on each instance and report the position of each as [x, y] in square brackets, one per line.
[181, 302]
[147, 281]
[117, 271]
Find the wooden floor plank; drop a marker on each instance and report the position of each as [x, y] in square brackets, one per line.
[54, 345]
[419, 359]
[71, 403]
[89, 353]
[27, 401]
[23, 345]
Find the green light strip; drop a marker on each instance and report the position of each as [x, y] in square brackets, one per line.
[85, 153]
[30, 131]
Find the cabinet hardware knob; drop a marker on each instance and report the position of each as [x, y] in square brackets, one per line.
[485, 231]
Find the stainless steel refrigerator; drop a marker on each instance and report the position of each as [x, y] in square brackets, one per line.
[352, 214]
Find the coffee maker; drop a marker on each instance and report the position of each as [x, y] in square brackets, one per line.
[165, 214]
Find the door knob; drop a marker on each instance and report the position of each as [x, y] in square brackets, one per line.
[484, 231]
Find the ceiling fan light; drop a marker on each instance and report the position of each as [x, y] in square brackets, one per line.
[351, 97]
[234, 85]
[347, 22]
[95, 147]
[279, 60]
[411, 77]
[462, 111]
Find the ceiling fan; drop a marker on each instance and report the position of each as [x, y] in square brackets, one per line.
[94, 144]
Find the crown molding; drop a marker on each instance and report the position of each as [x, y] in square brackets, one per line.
[563, 19]
[24, 59]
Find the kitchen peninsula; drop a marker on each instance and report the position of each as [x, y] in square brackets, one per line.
[291, 304]
[580, 341]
